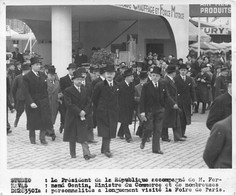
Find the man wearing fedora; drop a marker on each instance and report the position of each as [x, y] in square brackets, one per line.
[37, 103]
[54, 95]
[221, 82]
[65, 82]
[105, 101]
[17, 92]
[171, 114]
[126, 105]
[153, 99]
[186, 96]
[77, 101]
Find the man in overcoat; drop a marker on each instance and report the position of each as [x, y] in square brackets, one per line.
[220, 108]
[152, 108]
[218, 151]
[186, 96]
[221, 82]
[203, 81]
[37, 102]
[126, 105]
[65, 82]
[171, 114]
[77, 101]
[18, 95]
[105, 100]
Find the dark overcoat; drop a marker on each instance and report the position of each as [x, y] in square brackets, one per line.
[75, 129]
[126, 103]
[35, 91]
[17, 88]
[186, 95]
[106, 105]
[220, 109]
[202, 89]
[65, 82]
[220, 85]
[218, 151]
[171, 116]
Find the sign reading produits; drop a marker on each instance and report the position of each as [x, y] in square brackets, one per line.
[216, 30]
[161, 10]
[210, 10]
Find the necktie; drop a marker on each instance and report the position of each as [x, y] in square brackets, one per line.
[79, 89]
[111, 85]
[184, 78]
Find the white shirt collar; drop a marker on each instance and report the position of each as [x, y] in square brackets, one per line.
[170, 77]
[110, 83]
[155, 84]
[127, 83]
[36, 73]
[103, 78]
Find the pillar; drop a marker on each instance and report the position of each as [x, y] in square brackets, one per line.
[61, 38]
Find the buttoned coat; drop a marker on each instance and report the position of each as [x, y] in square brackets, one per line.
[75, 129]
[220, 85]
[218, 151]
[186, 95]
[35, 91]
[171, 116]
[126, 103]
[106, 105]
[65, 82]
[202, 89]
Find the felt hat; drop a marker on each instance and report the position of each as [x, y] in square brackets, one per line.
[156, 70]
[34, 60]
[128, 72]
[71, 65]
[25, 67]
[170, 69]
[110, 68]
[183, 66]
[78, 73]
[51, 70]
[143, 75]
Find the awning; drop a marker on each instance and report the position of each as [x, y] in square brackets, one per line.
[193, 34]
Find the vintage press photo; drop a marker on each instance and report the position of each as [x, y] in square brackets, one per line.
[117, 97]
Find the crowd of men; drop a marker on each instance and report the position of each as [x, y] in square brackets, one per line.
[161, 93]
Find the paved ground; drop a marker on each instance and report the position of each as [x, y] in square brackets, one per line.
[23, 155]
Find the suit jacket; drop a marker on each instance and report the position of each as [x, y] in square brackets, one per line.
[202, 89]
[75, 128]
[218, 151]
[126, 103]
[148, 101]
[220, 109]
[17, 71]
[105, 101]
[220, 85]
[137, 95]
[186, 95]
[65, 82]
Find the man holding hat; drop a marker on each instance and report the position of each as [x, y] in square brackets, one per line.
[126, 105]
[171, 114]
[186, 96]
[221, 82]
[105, 100]
[65, 82]
[153, 99]
[77, 101]
[37, 103]
[203, 81]
[17, 92]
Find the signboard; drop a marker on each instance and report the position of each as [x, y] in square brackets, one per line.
[216, 30]
[210, 10]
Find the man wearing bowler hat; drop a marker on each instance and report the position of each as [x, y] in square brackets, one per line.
[186, 96]
[17, 92]
[171, 114]
[77, 100]
[126, 105]
[153, 99]
[105, 100]
[65, 82]
[37, 103]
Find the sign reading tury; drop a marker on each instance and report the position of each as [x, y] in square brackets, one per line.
[210, 10]
[216, 30]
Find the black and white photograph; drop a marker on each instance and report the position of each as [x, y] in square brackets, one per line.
[123, 97]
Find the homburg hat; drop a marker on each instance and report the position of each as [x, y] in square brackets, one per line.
[110, 68]
[25, 67]
[170, 69]
[78, 73]
[128, 72]
[51, 70]
[71, 65]
[34, 60]
[156, 70]
[143, 75]
[183, 66]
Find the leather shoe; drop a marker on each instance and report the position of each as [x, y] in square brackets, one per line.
[87, 157]
[108, 154]
[158, 152]
[166, 140]
[184, 136]
[32, 141]
[61, 128]
[180, 139]
[44, 142]
[129, 140]
[16, 122]
[142, 145]
[53, 137]
[121, 137]
[73, 156]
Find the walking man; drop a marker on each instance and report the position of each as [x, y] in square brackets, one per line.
[105, 100]
[152, 108]
[37, 102]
